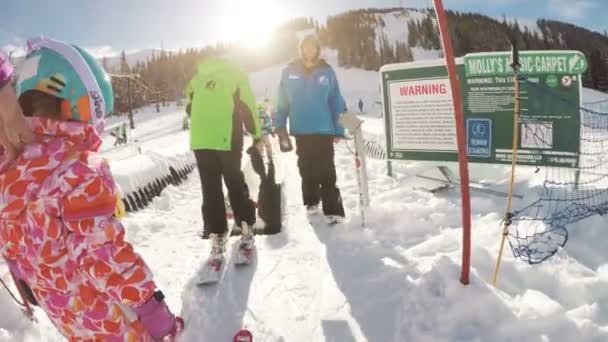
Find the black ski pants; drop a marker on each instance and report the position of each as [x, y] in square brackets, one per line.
[318, 172]
[213, 166]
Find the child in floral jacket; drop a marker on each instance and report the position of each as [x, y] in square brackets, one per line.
[58, 231]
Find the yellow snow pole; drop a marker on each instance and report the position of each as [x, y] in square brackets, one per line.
[508, 215]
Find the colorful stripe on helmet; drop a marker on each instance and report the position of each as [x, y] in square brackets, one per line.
[95, 96]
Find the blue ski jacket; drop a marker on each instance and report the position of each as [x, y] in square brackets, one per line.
[311, 99]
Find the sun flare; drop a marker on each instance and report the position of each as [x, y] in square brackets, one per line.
[251, 23]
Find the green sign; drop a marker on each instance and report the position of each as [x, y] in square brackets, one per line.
[552, 81]
[532, 63]
[420, 116]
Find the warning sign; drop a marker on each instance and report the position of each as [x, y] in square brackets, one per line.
[423, 115]
[420, 121]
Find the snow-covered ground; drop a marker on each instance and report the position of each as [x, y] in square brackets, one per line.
[395, 280]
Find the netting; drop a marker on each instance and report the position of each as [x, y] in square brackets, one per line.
[374, 147]
[567, 195]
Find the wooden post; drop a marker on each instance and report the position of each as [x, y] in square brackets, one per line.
[131, 121]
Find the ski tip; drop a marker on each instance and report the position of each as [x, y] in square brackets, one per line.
[245, 257]
[242, 264]
[243, 336]
[209, 277]
[206, 283]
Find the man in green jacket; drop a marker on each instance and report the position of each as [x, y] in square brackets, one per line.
[220, 104]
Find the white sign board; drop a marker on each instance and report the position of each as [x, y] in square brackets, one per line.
[422, 114]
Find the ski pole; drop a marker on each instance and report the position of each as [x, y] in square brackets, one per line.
[25, 304]
[353, 124]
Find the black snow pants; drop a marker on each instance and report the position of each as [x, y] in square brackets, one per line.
[318, 172]
[212, 167]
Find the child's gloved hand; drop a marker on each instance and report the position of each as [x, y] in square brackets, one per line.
[158, 320]
[257, 162]
[259, 145]
[179, 327]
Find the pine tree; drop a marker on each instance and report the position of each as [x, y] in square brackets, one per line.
[526, 39]
[104, 64]
[354, 58]
[428, 31]
[598, 69]
[398, 52]
[420, 30]
[372, 59]
[412, 39]
[409, 55]
[124, 66]
[401, 52]
[388, 52]
[342, 56]
[435, 36]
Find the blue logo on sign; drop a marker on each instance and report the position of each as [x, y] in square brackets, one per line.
[479, 138]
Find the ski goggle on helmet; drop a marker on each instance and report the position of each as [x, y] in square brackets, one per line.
[71, 74]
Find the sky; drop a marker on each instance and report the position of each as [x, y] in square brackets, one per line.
[108, 26]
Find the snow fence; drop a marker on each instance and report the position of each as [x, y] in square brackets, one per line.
[374, 145]
[146, 175]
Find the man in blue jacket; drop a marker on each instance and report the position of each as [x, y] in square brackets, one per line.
[309, 95]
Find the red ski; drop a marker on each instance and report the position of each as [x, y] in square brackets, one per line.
[243, 336]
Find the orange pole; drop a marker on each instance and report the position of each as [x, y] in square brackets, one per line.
[460, 132]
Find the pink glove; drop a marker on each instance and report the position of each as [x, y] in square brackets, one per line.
[158, 320]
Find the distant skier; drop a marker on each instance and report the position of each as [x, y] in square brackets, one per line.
[309, 96]
[221, 102]
[361, 105]
[59, 232]
[185, 123]
[120, 134]
[267, 126]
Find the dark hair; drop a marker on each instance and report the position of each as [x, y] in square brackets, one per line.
[36, 101]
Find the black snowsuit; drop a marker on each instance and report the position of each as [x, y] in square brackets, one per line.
[318, 172]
